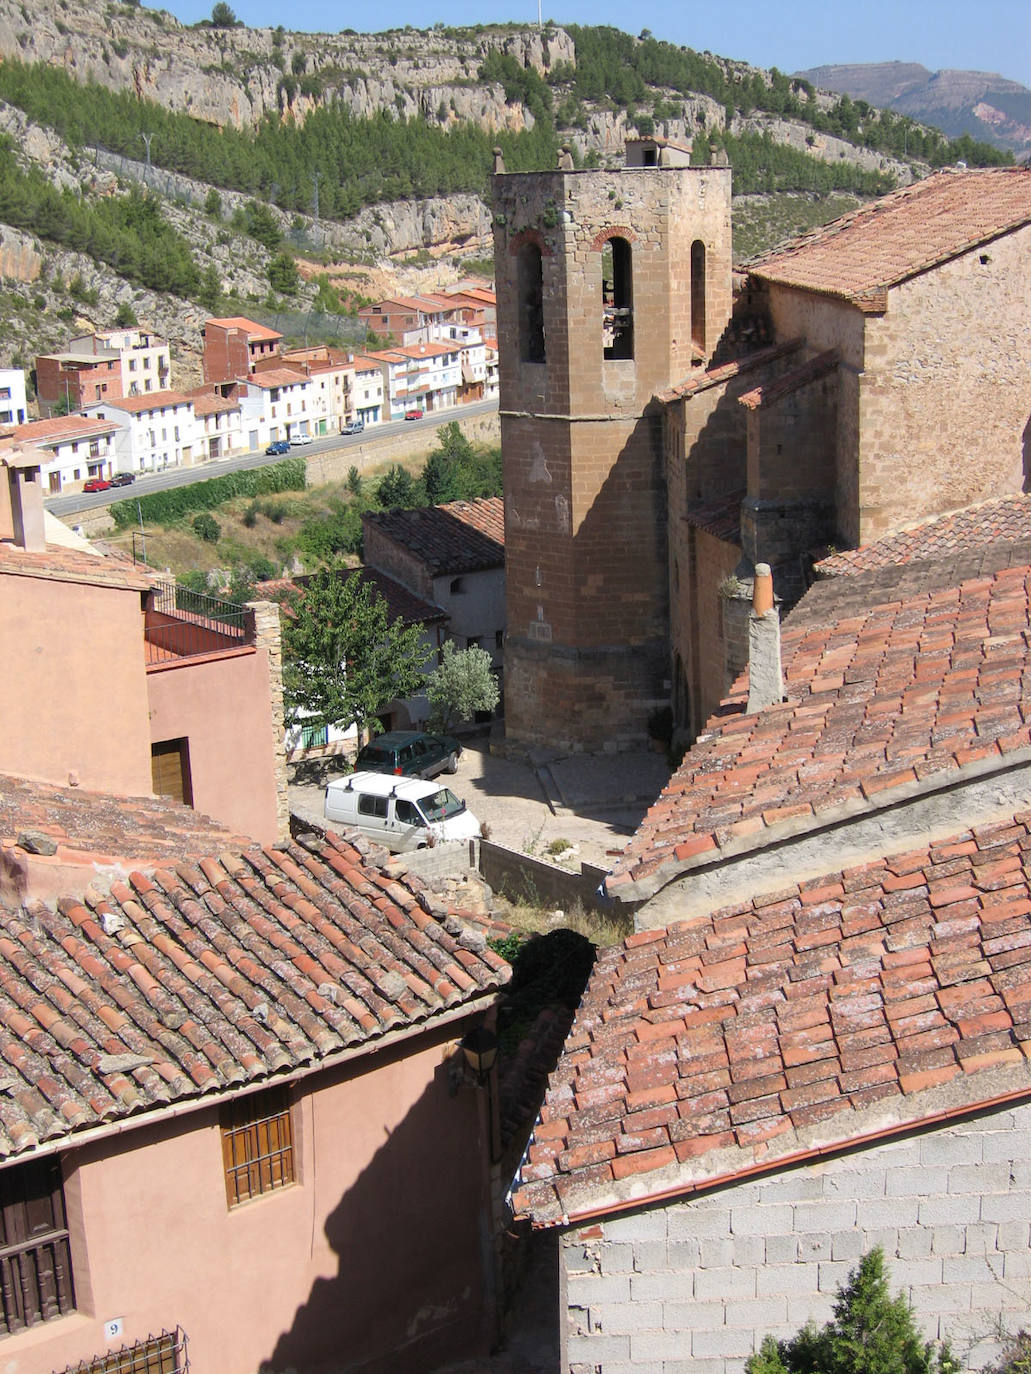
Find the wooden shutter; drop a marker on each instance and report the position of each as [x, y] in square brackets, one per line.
[35, 1258]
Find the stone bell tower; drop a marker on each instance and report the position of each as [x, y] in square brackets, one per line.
[611, 285]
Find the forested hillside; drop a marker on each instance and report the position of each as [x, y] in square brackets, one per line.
[332, 156]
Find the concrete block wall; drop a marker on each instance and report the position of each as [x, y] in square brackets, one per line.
[692, 1287]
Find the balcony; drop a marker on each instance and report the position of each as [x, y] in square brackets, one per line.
[180, 624]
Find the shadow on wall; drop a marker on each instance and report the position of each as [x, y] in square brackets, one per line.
[1025, 448]
[414, 1285]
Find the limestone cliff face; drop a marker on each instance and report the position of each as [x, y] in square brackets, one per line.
[237, 76]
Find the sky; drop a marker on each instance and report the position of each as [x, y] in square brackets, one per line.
[980, 35]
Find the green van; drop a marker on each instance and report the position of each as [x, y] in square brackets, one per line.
[410, 754]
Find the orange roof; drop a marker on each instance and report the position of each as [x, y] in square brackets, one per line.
[150, 400]
[209, 403]
[60, 427]
[254, 331]
[277, 376]
[882, 244]
[60, 564]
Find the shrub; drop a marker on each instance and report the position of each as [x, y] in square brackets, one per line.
[207, 527]
[166, 507]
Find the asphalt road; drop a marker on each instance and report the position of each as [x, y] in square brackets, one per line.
[184, 476]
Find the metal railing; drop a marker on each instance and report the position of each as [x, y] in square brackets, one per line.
[180, 623]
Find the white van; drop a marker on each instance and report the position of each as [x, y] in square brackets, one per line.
[400, 813]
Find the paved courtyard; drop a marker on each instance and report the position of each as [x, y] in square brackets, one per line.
[594, 802]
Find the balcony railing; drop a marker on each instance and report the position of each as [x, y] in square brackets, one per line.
[182, 624]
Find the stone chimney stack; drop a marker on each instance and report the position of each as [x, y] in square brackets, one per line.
[765, 683]
[21, 499]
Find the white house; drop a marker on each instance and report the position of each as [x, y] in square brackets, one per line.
[287, 401]
[154, 432]
[13, 410]
[424, 376]
[219, 424]
[78, 449]
[365, 393]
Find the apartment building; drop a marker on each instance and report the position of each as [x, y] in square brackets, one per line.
[153, 432]
[72, 449]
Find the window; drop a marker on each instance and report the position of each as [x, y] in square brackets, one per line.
[35, 1258]
[314, 736]
[369, 805]
[164, 1354]
[698, 294]
[407, 812]
[617, 299]
[530, 273]
[257, 1145]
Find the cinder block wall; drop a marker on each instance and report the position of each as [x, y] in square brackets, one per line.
[692, 1288]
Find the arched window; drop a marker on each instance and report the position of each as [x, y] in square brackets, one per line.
[531, 304]
[617, 293]
[698, 294]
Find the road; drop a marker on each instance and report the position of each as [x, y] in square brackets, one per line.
[149, 482]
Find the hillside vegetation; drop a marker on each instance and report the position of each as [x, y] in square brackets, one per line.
[344, 153]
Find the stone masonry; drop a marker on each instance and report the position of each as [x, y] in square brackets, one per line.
[692, 1287]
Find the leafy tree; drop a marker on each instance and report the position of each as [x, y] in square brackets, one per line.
[870, 1333]
[344, 658]
[209, 292]
[463, 684]
[283, 275]
[125, 316]
[397, 488]
[213, 204]
[222, 17]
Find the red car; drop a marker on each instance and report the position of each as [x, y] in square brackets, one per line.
[96, 484]
[413, 414]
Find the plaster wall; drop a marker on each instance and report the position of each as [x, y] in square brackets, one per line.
[692, 1287]
[476, 609]
[348, 1258]
[73, 692]
[223, 705]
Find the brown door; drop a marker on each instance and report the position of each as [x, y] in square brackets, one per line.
[170, 770]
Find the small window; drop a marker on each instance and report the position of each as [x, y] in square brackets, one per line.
[257, 1145]
[314, 736]
[530, 273]
[35, 1257]
[407, 812]
[617, 299]
[369, 805]
[698, 295]
[456, 586]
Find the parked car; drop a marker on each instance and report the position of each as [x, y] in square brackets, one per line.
[415, 414]
[355, 427]
[411, 754]
[278, 446]
[297, 439]
[399, 813]
[96, 484]
[123, 479]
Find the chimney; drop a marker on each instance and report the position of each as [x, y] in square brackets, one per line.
[765, 684]
[21, 499]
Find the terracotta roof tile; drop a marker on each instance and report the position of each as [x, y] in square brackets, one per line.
[254, 330]
[721, 517]
[888, 685]
[775, 1025]
[460, 536]
[63, 564]
[213, 973]
[1006, 520]
[879, 245]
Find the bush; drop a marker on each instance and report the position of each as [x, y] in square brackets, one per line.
[166, 507]
[206, 527]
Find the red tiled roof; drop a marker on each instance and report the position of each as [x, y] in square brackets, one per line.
[210, 404]
[879, 245]
[721, 517]
[897, 690]
[1005, 520]
[60, 427]
[460, 536]
[212, 975]
[277, 376]
[63, 564]
[149, 400]
[851, 1006]
[726, 372]
[254, 330]
[102, 828]
[769, 393]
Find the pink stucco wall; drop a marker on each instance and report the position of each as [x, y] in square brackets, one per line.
[373, 1260]
[73, 687]
[223, 706]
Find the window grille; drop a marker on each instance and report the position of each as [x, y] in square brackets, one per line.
[257, 1145]
[163, 1354]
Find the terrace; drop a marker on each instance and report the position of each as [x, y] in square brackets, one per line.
[180, 624]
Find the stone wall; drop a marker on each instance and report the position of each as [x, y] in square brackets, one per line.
[374, 451]
[692, 1287]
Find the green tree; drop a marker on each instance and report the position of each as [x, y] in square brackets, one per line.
[397, 488]
[344, 658]
[870, 1333]
[213, 204]
[283, 275]
[125, 316]
[463, 684]
[206, 527]
[222, 17]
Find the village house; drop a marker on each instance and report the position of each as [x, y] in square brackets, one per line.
[71, 449]
[103, 366]
[218, 423]
[153, 431]
[13, 406]
[817, 1039]
[252, 1049]
[234, 346]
